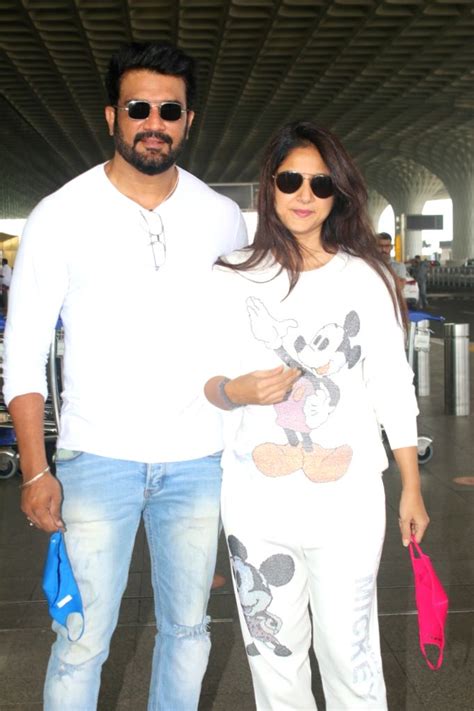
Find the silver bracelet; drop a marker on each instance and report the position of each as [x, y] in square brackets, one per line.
[35, 478]
[227, 401]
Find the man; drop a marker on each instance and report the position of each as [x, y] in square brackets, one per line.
[420, 269]
[6, 277]
[136, 436]
[384, 243]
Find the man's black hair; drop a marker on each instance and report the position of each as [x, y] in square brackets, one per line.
[159, 57]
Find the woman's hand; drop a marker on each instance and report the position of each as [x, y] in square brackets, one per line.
[260, 387]
[413, 517]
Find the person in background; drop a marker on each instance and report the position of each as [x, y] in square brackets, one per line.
[6, 277]
[309, 321]
[420, 270]
[384, 243]
[137, 438]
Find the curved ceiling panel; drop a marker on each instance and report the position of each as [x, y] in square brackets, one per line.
[395, 80]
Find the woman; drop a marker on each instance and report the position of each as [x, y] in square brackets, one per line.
[311, 316]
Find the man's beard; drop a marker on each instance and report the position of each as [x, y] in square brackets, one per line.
[152, 162]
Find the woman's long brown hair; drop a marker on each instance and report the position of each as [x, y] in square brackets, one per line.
[347, 228]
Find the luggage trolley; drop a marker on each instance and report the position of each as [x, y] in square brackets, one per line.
[9, 459]
[9, 462]
[419, 341]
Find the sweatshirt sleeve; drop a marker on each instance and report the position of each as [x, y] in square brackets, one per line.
[387, 374]
[241, 237]
[37, 291]
[225, 323]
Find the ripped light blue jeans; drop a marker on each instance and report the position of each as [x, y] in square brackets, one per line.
[104, 500]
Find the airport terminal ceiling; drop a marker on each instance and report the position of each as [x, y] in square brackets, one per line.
[395, 81]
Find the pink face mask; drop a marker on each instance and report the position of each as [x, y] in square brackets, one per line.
[431, 602]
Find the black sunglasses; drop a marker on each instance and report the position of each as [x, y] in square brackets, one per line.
[140, 110]
[289, 182]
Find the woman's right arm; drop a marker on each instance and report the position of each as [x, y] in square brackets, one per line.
[260, 387]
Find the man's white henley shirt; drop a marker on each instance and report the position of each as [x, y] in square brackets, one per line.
[135, 337]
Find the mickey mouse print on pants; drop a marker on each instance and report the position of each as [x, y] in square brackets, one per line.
[313, 397]
[255, 595]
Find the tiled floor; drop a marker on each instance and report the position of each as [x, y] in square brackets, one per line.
[25, 636]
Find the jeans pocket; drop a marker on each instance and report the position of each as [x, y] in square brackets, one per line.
[66, 455]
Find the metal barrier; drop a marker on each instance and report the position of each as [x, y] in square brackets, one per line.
[418, 348]
[456, 369]
[422, 359]
[451, 278]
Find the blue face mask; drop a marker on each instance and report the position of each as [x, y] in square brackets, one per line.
[61, 590]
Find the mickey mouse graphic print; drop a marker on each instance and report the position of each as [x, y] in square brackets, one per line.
[312, 399]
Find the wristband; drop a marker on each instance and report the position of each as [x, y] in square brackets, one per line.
[230, 405]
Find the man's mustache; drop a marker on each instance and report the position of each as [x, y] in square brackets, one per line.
[153, 134]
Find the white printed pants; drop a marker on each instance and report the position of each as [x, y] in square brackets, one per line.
[296, 544]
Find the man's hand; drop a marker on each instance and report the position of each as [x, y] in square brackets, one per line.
[41, 504]
[41, 499]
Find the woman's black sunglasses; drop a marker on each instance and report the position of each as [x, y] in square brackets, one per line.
[140, 110]
[289, 182]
